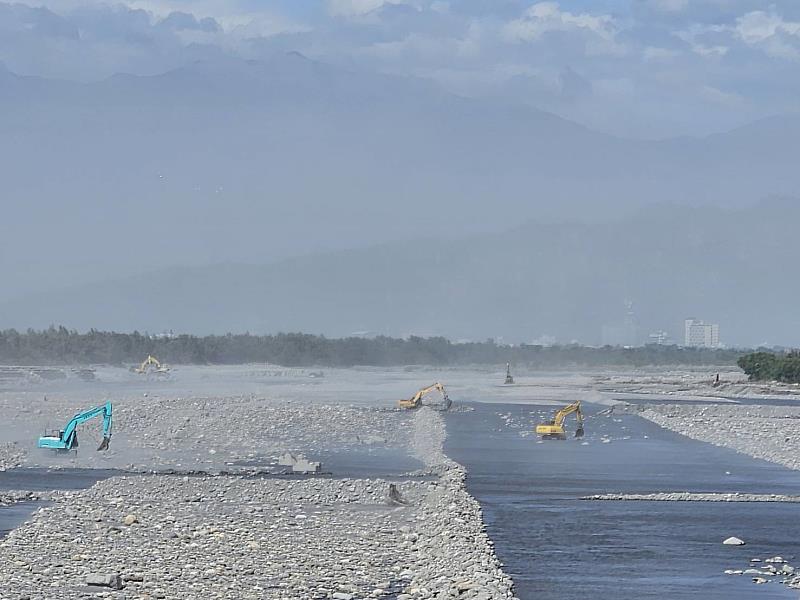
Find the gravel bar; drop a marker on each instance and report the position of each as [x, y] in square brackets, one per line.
[766, 432]
[696, 497]
[180, 537]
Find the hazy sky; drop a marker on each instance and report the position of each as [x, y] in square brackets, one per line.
[230, 151]
[636, 67]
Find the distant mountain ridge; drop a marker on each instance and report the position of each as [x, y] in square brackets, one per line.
[567, 280]
[229, 160]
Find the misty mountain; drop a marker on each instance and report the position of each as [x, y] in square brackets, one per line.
[733, 267]
[227, 160]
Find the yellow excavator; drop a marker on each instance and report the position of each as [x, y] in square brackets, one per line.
[554, 430]
[416, 400]
[151, 365]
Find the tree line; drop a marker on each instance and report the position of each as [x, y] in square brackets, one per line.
[768, 366]
[60, 346]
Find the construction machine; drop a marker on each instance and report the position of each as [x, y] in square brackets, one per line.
[67, 438]
[416, 400]
[509, 378]
[151, 365]
[554, 430]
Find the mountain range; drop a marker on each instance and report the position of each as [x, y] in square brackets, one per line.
[256, 161]
[732, 267]
[293, 194]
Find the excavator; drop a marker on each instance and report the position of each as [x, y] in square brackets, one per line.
[151, 365]
[554, 430]
[509, 378]
[416, 400]
[67, 438]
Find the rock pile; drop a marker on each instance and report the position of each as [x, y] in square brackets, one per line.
[697, 497]
[775, 568]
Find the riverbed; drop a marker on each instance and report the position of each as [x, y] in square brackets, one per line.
[556, 546]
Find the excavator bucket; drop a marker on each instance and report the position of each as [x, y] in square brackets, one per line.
[104, 444]
[579, 432]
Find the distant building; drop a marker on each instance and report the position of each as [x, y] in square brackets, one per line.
[660, 338]
[701, 335]
[165, 335]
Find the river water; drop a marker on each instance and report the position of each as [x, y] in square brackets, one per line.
[556, 546]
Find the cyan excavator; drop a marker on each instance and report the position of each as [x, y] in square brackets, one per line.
[554, 430]
[67, 439]
[416, 400]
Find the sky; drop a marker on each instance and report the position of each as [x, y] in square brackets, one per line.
[633, 68]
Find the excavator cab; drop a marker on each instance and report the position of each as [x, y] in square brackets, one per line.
[509, 378]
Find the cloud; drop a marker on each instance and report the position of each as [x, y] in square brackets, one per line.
[357, 8]
[769, 31]
[36, 21]
[181, 21]
[669, 5]
[596, 62]
[655, 53]
[546, 17]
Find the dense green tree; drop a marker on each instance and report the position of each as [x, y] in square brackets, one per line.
[760, 366]
[57, 345]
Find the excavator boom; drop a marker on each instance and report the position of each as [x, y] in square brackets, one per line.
[151, 363]
[67, 439]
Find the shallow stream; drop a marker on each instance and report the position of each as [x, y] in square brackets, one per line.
[556, 546]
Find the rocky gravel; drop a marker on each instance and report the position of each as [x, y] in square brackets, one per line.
[774, 568]
[11, 455]
[212, 434]
[698, 382]
[767, 432]
[696, 497]
[182, 537]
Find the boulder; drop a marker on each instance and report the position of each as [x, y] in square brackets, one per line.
[733, 541]
[109, 580]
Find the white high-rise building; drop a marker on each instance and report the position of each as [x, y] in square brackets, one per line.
[701, 335]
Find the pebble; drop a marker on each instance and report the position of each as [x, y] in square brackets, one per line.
[249, 538]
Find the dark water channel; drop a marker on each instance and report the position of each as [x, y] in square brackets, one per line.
[556, 546]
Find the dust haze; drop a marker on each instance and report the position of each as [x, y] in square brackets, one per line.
[294, 179]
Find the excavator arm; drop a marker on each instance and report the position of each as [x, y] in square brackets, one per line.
[555, 428]
[575, 407]
[151, 365]
[149, 361]
[416, 399]
[67, 439]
